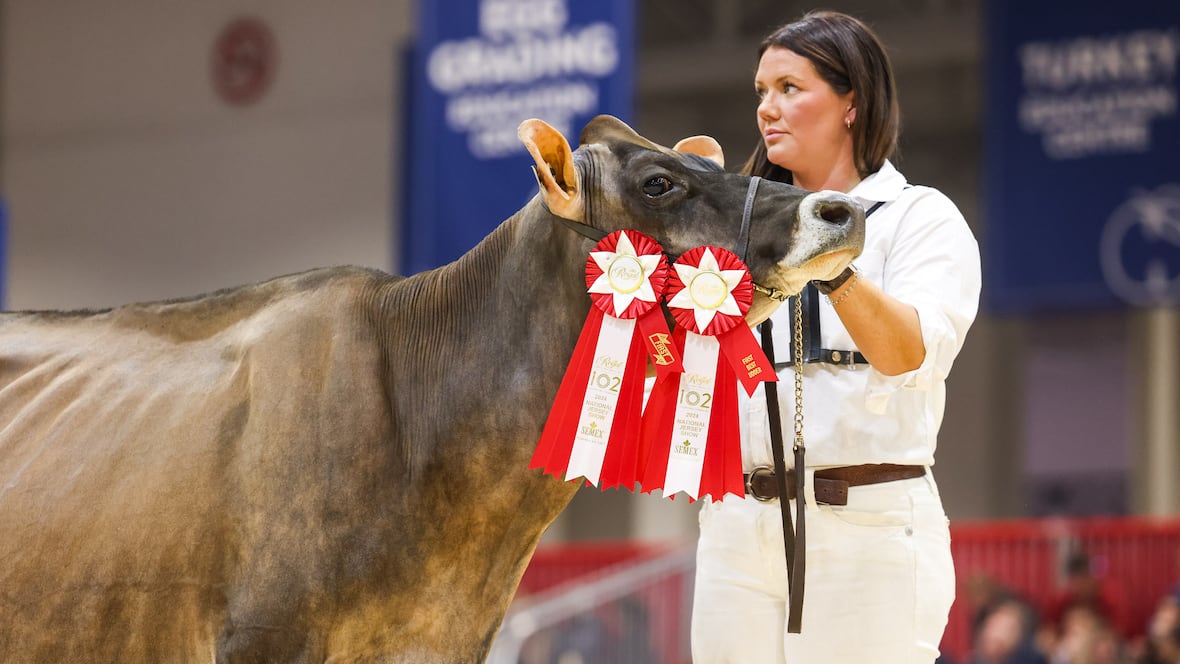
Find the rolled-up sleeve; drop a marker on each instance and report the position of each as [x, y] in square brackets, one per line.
[933, 265]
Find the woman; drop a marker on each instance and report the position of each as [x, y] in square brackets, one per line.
[879, 578]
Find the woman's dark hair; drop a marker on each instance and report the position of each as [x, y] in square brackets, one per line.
[848, 55]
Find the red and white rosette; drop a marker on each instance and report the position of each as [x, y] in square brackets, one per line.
[690, 431]
[593, 427]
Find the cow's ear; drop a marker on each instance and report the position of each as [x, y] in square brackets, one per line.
[554, 168]
[703, 146]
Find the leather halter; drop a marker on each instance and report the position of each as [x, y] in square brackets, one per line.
[743, 242]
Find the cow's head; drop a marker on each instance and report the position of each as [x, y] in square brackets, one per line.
[683, 198]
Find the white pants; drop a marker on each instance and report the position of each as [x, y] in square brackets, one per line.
[879, 581]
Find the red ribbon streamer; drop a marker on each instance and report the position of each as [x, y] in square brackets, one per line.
[651, 338]
[740, 357]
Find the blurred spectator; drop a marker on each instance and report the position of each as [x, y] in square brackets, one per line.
[985, 594]
[1084, 588]
[1085, 637]
[1004, 635]
[1162, 643]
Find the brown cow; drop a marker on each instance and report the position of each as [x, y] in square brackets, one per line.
[333, 465]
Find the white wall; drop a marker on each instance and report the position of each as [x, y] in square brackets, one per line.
[128, 179]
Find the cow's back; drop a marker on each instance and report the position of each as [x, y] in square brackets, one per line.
[142, 447]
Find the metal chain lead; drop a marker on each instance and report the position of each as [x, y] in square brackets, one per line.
[798, 365]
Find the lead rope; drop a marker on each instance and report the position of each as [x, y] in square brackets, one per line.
[797, 572]
[794, 541]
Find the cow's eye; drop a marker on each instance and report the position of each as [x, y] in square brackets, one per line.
[657, 186]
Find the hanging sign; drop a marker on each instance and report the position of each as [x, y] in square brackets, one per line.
[1082, 179]
[477, 70]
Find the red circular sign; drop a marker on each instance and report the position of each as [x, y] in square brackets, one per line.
[244, 61]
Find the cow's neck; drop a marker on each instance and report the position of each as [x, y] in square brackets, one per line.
[524, 283]
[492, 334]
[531, 284]
[505, 318]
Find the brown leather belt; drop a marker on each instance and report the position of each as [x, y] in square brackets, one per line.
[831, 484]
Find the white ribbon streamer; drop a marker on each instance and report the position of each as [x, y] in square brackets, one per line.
[690, 429]
[602, 398]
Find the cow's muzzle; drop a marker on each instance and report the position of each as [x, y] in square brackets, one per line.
[829, 232]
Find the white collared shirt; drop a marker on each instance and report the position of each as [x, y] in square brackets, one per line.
[919, 249]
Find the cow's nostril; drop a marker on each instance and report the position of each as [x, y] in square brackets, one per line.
[834, 212]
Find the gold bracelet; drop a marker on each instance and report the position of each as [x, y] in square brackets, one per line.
[847, 290]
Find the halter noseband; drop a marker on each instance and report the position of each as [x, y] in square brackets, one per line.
[744, 239]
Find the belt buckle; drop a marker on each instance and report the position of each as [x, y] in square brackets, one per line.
[750, 483]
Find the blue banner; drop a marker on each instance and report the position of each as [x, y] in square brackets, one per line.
[1082, 175]
[477, 70]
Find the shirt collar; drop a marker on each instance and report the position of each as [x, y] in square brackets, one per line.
[884, 185]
